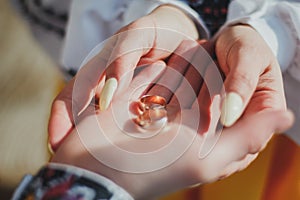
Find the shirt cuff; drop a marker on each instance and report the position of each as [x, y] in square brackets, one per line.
[66, 181]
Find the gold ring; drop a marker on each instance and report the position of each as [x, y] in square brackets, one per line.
[152, 119]
[152, 101]
[154, 113]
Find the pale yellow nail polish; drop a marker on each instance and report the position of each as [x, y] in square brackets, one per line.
[232, 109]
[107, 93]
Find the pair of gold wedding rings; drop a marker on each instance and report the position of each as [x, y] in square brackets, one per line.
[153, 112]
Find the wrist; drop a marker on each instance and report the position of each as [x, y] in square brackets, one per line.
[171, 17]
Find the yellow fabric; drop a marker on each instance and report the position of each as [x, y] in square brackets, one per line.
[274, 175]
[283, 180]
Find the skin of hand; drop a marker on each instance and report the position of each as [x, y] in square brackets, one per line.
[172, 159]
[146, 40]
[253, 78]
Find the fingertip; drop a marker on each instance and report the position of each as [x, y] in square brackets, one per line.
[160, 63]
[55, 139]
[107, 93]
[60, 124]
[285, 121]
[57, 131]
[231, 109]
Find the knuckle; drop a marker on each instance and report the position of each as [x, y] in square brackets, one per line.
[204, 174]
[243, 82]
[255, 144]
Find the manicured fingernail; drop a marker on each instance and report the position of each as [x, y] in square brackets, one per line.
[231, 109]
[107, 93]
[50, 149]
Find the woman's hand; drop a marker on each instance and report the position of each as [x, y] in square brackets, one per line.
[253, 77]
[146, 40]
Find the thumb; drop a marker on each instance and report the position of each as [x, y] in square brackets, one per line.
[241, 81]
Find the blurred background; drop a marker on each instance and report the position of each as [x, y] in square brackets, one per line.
[29, 81]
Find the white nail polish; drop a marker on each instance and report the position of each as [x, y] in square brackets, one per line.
[231, 109]
[107, 93]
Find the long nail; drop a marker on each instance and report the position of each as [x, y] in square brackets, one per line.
[107, 93]
[231, 109]
[50, 149]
